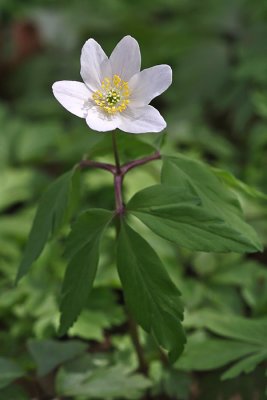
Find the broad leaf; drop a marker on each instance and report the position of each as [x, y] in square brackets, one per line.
[55, 207]
[176, 214]
[82, 249]
[150, 294]
[216, 199]
[49, 354]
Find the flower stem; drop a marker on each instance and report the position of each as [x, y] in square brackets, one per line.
[118, 178]
[119, 172]
[133, 330]
[116, 152]
[118, 194]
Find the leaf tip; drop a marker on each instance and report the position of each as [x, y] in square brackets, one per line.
[62, 329]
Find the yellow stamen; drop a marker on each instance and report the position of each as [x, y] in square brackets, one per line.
[114, 95]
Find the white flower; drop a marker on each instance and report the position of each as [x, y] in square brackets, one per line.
[115, 94]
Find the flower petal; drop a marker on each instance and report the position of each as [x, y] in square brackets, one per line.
[95, 65]
[141, 120]
[126, 58]
[73, 96]
[149, 83]
[99, 120]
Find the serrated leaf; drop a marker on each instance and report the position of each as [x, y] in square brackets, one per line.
[216, 199]
[208, 354]
[247, 365]
[55, 207]
[177, 215]
[150, 294]
[103, 382]
[248, 334]
[232, 326]
[49, 354]
[82, 249]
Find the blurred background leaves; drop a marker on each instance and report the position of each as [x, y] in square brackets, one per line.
[216, 111]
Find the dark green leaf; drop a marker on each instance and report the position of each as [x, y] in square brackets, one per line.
[176, 384]
[13, 392]
[236, 234]
[49, 354]
[150, 294]
[9, 371]
[55, 207]
[177, 215]
[82, 249]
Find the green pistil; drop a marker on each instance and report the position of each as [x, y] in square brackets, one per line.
[112, 97]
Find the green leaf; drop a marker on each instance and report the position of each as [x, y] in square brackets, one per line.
[89, 326]
[234, 327]
[49, 354]
[82, 249]
[234, 183]
[102, 312]
[102, 382]
[19, 185]
[247, 365]
[236, 234]
[13, 392]
[55, 207]
[150, 294]
[176, 384]
[208, 354]
[9, 371]
[248, 334]
[177, 215]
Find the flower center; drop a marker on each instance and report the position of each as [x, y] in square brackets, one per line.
[113, 96]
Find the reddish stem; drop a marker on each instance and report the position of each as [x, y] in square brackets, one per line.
[119, 172]
[95, 164]
[124, 168]
[141, 161]
[118, 178]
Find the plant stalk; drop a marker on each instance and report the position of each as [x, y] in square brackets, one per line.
[133, 330]
[116, 153]
[118, 180]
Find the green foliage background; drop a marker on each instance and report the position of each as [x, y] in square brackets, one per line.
[216, 111]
